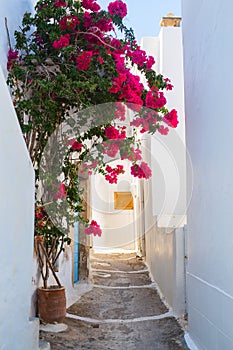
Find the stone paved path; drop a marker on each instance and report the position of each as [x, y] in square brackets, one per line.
[123, 311]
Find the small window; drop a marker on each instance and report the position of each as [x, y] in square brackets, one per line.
[123, 201]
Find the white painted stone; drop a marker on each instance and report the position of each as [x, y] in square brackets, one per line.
[54, 328]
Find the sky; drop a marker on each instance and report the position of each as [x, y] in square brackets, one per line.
[144, 15]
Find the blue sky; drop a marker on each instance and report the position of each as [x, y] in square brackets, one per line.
[144, 15]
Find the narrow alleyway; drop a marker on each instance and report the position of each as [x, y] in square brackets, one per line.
[123, 311]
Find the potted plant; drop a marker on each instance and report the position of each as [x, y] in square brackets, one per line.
[72, 83]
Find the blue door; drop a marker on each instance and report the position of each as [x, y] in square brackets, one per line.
[76, 245]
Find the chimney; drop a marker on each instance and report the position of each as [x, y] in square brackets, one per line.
[170, 21]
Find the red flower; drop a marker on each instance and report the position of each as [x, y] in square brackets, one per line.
[111, 148]
[69, 22]
[91, 5]
[12, 55]
[111, 177]
[171, 119]
[84, 60]
[150, 62]
[60, 3]
[155, 100]
[117, 8]
[94, 229]
[162, 130]
[61, 192]
[62, 42]
[113, 134]
[76, 146]
[139, 57]
[141, 171]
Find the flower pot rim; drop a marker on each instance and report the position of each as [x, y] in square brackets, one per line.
[51, 288]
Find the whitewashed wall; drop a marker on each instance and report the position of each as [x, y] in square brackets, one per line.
[208, 57]
[118, 226]
[165, 193]
[17, 331]
[16, 231]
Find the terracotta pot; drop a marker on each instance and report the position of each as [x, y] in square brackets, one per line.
[52, 304]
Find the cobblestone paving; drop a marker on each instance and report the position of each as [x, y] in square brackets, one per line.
[123, 311]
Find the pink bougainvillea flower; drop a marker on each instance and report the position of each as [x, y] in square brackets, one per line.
[60, 3]
[93, 228]
[139, 57]
[162, 130]
[83, 60]
[133, 154]
[90, 5]
[111, 148]
[141, 171]
[69, 22]
[12, 55]
[150, 62]
[61, 191]
[120, 112]
[76, 146]
[171, 119]
[62, 42]
[117, 7]
[113, 173]
[114, 134]
[100, 60]
[155, 99]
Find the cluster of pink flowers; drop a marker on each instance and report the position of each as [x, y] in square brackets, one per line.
[111, 148]
[120, 111]
[94, 229]
[141, 171]
[60, 191]
[163, 130]
[117, 8]
[76, 146]
[149, 119]
[113, 173]
[171, 119]
[155, 99]
[91, 5]
[12, 55]
[62, 42]
[60, 3]
[88, 167]
[69, 22]
[114, 134]
[83, 60]
[140, 58]
[134, 155]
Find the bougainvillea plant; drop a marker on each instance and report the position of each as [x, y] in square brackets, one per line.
[68, 59]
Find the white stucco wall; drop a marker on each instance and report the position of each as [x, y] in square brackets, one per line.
[165, 193]
[118, 226]
[208, 57]
[16, 230]
[169, 153]
[17, 331]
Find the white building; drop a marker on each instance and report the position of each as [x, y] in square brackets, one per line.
[208, 57]
[155, 225]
